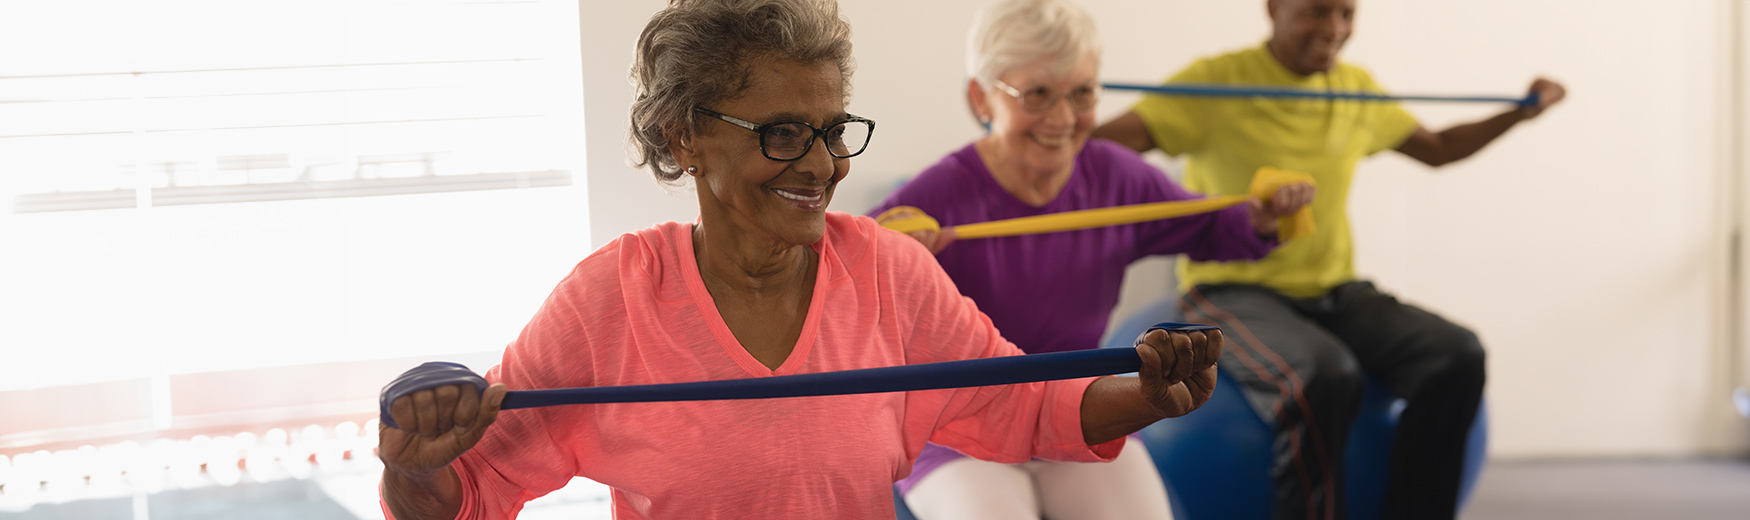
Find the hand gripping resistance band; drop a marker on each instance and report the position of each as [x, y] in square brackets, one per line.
[1004, 370]
[1225, 90]
[1265, 182]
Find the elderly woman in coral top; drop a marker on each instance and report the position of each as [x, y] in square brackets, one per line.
[746, 99]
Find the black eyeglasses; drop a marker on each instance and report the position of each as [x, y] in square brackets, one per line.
[1039, 99]
[789, 141]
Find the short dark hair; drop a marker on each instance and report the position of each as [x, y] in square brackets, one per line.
[699, 52]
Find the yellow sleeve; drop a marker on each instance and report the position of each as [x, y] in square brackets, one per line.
[1176, 123]
[1391, 124]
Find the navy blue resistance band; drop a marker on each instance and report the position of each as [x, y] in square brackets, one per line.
[904, 378]
[1223, 90]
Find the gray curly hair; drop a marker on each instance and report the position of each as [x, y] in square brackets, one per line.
[699, 52]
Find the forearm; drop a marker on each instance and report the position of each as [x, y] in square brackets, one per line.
[1465, 140]
[1237, 234]
[436, 497]
[1113, 407]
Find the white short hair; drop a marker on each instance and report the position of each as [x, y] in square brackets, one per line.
[1011, 33]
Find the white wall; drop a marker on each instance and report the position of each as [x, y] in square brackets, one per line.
[1736, 216]
[1585, 247]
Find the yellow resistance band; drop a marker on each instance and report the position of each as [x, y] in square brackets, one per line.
[1265, 182]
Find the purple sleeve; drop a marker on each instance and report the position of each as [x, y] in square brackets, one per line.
[1220, 235]
[948, 190]
[933, 190]
[887, 203]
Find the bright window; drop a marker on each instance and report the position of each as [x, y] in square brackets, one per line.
[192, 186]
[225, 223]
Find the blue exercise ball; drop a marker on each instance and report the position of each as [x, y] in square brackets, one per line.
[1216, 460]
[1221, 456]
[1221, 452]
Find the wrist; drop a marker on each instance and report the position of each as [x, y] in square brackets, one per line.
[415, 476]
[437, 496]
[1522, 113]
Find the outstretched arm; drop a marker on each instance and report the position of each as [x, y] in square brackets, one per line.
[1458, 142]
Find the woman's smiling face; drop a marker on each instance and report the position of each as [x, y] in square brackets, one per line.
[784, 200]
[1047, 140]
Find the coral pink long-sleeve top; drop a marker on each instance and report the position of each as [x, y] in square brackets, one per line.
[637, 312]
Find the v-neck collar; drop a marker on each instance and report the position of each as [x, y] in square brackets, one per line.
[720, 329]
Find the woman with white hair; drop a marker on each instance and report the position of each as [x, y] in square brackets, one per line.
[1033, 69]
[746, 99]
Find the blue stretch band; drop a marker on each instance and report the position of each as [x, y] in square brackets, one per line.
[1222, 90]
[903, 378]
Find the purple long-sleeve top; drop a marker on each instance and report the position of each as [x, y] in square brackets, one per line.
[1055, 291]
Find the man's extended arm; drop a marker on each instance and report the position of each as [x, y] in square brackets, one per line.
[1459, 142]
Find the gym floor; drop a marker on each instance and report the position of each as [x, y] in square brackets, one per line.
[1613, 490]
[1688, 489]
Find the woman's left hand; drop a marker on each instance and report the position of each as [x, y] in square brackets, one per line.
[935, 240]
[1287, 200]
[1178, 369]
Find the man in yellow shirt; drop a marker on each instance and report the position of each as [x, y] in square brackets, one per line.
[1303, 329]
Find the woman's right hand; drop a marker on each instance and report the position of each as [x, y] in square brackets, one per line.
[437, 426]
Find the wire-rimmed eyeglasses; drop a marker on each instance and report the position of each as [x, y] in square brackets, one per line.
[1039, 99]
[790, 140]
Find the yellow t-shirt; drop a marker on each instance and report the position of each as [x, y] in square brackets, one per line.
[1227, 139]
